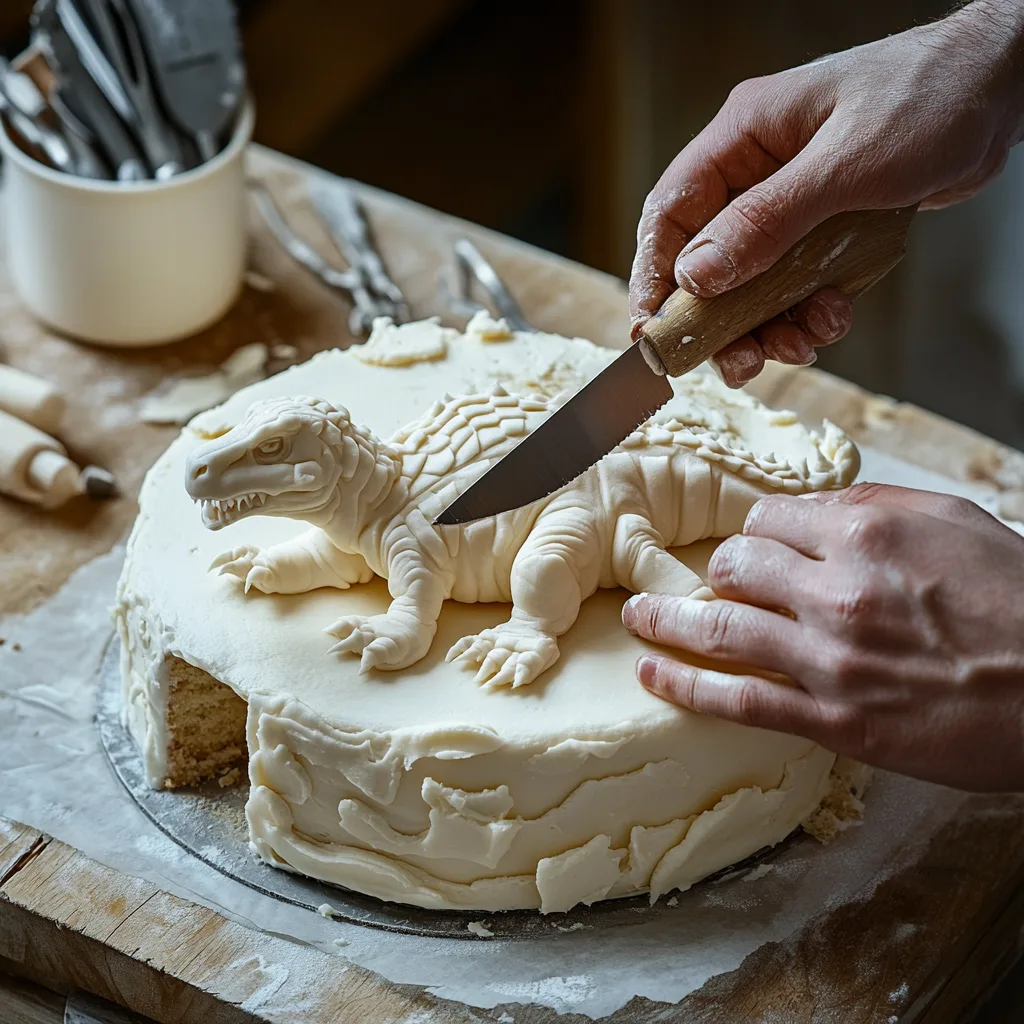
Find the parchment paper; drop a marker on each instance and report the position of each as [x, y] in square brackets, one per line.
[54, 776]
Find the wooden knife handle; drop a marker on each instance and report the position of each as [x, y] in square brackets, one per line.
[850, 251]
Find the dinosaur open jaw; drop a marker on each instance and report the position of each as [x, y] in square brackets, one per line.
[220, 513]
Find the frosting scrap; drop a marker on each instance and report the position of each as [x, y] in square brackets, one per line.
[392, 344]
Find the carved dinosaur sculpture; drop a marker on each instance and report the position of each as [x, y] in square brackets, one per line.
[371, 504]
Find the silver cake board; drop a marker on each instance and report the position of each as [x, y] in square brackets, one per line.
[209, 822]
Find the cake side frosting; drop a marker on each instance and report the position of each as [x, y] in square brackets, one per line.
[418, 785]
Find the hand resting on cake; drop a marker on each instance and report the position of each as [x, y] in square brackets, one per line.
[896, 613]
[926, 116]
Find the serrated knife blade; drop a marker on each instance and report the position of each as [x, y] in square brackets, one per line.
[599, 416]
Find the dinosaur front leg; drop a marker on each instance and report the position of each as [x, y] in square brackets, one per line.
[402, 635]
[546, 597]
[295, 566]
[640, 562]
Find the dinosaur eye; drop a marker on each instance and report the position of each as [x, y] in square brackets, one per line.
[269, 450]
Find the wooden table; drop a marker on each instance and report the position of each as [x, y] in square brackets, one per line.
[69, 922]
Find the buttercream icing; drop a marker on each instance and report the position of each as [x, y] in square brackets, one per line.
[418, 785]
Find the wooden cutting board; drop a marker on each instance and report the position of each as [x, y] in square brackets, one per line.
[924, 947]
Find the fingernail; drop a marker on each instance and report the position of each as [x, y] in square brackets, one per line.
[823, 322]
[705, 270]
[631, 612]
[646, 670]
[795, 353]
[738, 367]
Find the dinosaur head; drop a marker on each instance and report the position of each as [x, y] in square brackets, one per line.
[284, 459]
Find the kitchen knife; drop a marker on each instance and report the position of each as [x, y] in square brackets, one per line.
[195, 57]
[850, 251]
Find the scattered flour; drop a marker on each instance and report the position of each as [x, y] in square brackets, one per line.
[900, 993]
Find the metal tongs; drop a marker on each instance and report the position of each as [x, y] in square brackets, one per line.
[366, 281]
[470, 268]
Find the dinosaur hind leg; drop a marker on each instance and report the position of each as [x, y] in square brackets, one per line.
[640, 562]
[546, 598]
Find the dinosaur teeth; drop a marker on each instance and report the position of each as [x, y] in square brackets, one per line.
[220, 509]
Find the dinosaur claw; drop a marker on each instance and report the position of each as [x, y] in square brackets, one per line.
[523, 674]
[456, 651]
[505, 675]
[236, 561]
[343, 628]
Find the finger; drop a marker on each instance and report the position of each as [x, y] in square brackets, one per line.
[740, 362]
[947, 507]
[786, 342]
[762, 572]
[720, 630]
[798, 523]
[723, 158]
[825, 316]
[761, 224]
[745, 699]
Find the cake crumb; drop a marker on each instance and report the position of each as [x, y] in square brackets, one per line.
[326, 910]
[673, 901]
[230, 778]
[479, 929]
[15, 646]
[842, 805]
[342, 942]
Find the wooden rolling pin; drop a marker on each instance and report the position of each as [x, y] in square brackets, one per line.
[34, 467]
[850, 251]
[31, 399]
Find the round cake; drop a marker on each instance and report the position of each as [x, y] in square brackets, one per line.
[418, 784]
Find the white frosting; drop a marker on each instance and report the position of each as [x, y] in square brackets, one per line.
[483, 327]
[392, 344]
[419, 785]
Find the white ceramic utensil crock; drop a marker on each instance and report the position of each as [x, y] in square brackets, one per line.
[127, 263]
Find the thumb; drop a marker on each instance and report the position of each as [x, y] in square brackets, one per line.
[759, 225]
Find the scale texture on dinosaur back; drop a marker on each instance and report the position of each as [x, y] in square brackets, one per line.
[371, 503]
